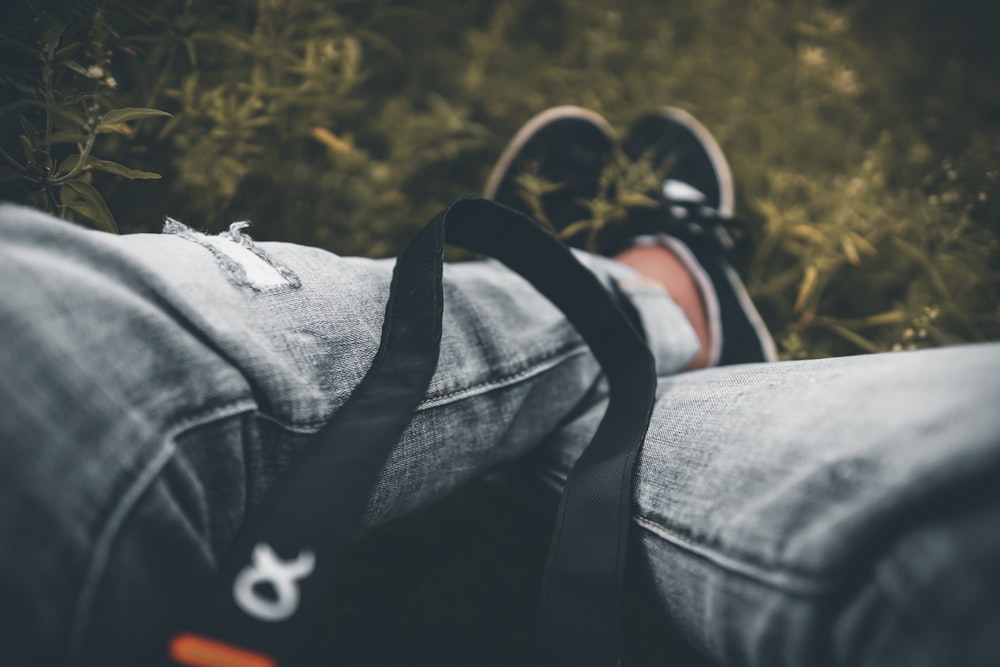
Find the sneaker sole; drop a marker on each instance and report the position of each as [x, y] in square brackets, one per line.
[726, 206]
[529, 129]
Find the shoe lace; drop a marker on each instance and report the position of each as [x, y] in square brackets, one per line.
[696, 224]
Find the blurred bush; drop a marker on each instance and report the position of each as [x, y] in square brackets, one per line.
[863, 135]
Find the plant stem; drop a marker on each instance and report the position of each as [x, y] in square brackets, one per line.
[84, 154]
[14, 163]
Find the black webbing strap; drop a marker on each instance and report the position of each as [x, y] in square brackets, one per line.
[275, 582]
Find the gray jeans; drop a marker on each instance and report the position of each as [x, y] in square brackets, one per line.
[842, 511]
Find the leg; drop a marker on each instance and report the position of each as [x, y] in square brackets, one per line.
[826, 512]
[659, 264]
[154, 386]
[832, 512]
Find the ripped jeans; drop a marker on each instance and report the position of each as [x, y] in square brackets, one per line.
[153, 387]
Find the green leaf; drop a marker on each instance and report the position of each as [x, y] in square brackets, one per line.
[58, 110]
[16, 105]
[76, 67]
[66, 50]
[116, 116]
[50, 38]
[14, 83]
[63, 113]
[66, 137]
[859, 340]
[107, 166]
[68, 164]
[29, 149]
[88, 202]
[89, 213]
[120, 170]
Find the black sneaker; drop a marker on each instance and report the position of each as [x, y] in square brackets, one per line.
[553, 166]
[696, 198]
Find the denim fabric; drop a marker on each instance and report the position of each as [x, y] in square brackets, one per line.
[841, 511]
[154, 386]
[829, 512]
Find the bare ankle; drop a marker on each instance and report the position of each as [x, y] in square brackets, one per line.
[657, 263]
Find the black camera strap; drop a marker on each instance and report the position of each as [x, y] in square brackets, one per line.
[292, 543]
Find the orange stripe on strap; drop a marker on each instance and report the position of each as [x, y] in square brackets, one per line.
[198, 651]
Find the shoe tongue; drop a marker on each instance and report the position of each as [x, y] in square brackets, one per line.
[679, 191]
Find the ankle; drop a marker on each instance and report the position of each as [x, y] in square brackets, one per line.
[657, 263]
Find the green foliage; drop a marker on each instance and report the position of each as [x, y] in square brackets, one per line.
[864, 159]
[55, 113]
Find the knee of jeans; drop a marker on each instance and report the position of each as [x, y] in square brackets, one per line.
[928, 596]
[932, 599]
[166, 549]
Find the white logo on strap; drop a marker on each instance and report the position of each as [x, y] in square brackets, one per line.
[282, 575]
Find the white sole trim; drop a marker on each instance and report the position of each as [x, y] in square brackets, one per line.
[715, 155]
[767, 345]
[708, 296]
[529, 129]
[704, 285]
[726, 208]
